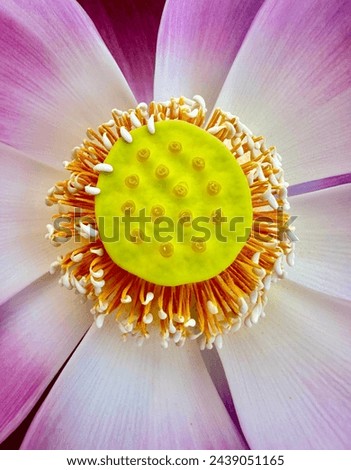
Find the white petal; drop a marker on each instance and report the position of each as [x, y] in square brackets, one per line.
[116, 395]
[197, 43]
[40, 328]
[322, 253]
[57, 78]
[290, 83]
[24, 253]
[290, 375]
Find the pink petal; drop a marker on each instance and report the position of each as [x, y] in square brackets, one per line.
[39, 327]
[129, 30]
[197, 44]
[25, 255]
[290, 82]
[114, 395]
[317, 185]
[322, 253]
[290, 375]
[57, 78]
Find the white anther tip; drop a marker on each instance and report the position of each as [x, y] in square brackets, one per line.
[291, 258]
[77, 257]
[255, 258]
[103, 168]
[199, 99]
[53, 267]
[126, 136]
[151, 124]
[211, 307]
[106, 141]
[126, 300]
[149, 297]
[92, 190]
[190, 323]
[97, 251]
[256, 313]
[88, 230]
[219, 341]
[243, 306]
[172, 328]
[134, 120]
[147, 319]
[162, 314]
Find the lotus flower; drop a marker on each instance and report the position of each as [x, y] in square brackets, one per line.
[282, 66]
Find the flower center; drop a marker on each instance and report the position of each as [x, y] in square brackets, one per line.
[179, 227]
[159, 178]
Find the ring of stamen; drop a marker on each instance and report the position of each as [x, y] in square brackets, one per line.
[205, 310]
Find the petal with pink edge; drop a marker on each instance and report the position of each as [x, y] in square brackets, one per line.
[291, 83]
[323, 222]
[129, 30]
[290, 375]
[57, 78]
[114, 395]
[197, 44]
[39, 329]
[25, 255]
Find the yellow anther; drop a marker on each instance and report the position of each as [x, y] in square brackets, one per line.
[157, 211]
[167, 250]
[132, 181]
[180, 190]
[198, 247]
[198, 163]
[143, 154]
[162, 171]
[128, 207]
[175, 147]
[185, 217]
[213, 188]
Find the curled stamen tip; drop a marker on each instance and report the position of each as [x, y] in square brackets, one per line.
[97, 251]
[177, 336]
[149, 297]
[219, 341]
[243, 306]
[255, 258]
[256, 313]
[135, 120]
[178, 318]
[92, 190]
[53, 267]
[200, 100]
[190, 323]
[147, 319]
[211, 307]
[162, 314]
[126, 300]
[151, 124]
[106, 141]
[88, 230]
[99, 321]
[126, 136]
[291, 258]
[267, 281]
[172, 328]
[103, 168]
[76, 258]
